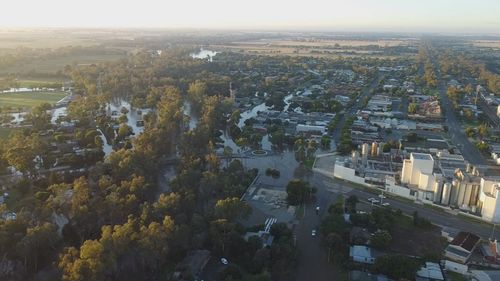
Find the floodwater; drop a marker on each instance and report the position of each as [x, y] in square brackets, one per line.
[287, 100]
[57, 112]
[252, 113]
[204, 54]
[16, 90]
[106, 148]
[133, 114]
[193, 120]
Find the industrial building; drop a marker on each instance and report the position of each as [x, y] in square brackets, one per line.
[441, 179]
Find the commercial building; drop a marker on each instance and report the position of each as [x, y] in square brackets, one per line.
[495, 153]
[490, 251]
[442, 179]
[380, 103]
[303, 128]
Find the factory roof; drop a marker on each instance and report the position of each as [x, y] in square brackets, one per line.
[421, 156]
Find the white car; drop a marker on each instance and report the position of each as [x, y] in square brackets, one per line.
[224, 261]
[313, 233]
[371, 199]
[374, 201]
[386, 204]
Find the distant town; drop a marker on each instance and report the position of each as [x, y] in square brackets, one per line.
[249, 156]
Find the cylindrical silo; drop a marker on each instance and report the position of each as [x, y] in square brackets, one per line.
[364, 149]
[445, 198]
[374, 148]
[355, 156]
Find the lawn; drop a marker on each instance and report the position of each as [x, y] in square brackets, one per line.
[39, 83]
[5, 132]
[29, 99]
[453, 276]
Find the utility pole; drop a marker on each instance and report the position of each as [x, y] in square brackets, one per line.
[381, 196]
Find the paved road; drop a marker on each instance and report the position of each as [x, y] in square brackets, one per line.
[469, 151]
[313, 261]
[455, 130]
[355, 107]
[492, 115]
[438, 217]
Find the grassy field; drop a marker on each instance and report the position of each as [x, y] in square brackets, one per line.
[57, 64]
[46, 82]
[5, 132]
[29, 99]
[298, 51]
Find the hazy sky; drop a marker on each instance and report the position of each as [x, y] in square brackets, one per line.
[383, 15]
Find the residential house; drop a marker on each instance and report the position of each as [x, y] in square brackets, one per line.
[362, 254]
[461, 247]
[430, 272]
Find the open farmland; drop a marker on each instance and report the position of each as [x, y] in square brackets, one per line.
[332, 42]
[495, 44]
[56, 64]
[316, 47]
[29, 99]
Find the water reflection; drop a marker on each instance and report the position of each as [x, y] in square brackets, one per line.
[114, 108]
[106, 148]
[251, 113]
[204, 54]
[193, 119]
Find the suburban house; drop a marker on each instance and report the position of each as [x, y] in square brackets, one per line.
[361, 254]
[462, 246]
[430, 272]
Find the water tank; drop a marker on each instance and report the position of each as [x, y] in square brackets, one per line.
[374, 149]
[445, 198]
[355, 157]
[364, 149]
[380, 149]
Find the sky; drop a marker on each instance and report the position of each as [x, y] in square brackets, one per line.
[460, 16]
